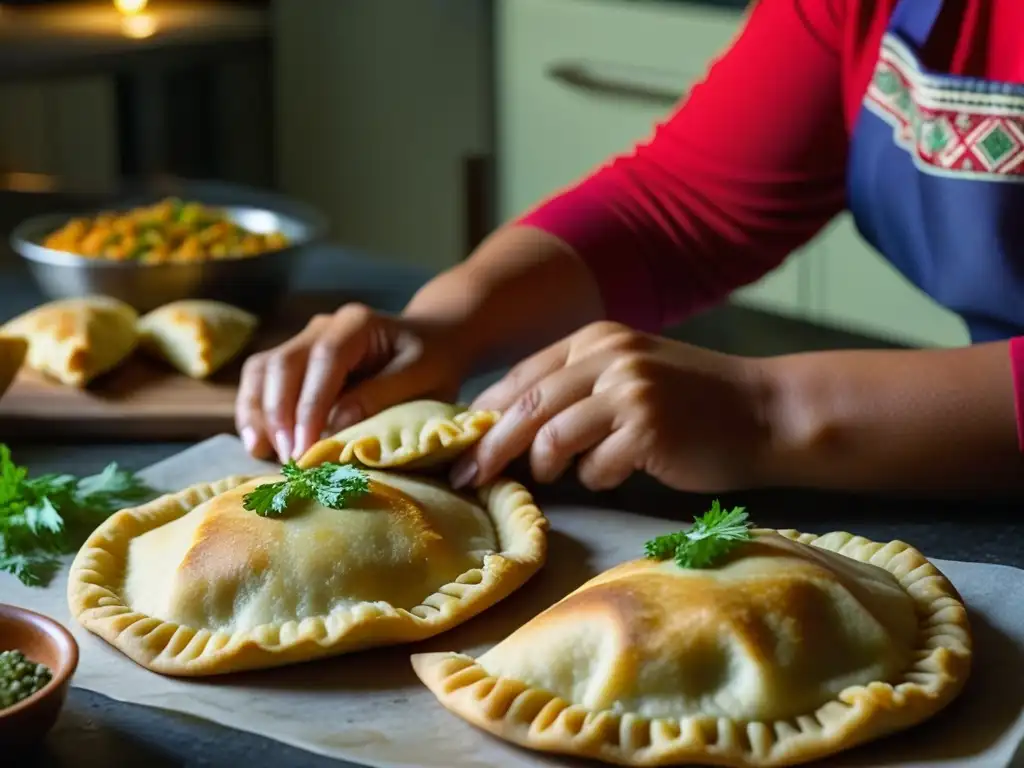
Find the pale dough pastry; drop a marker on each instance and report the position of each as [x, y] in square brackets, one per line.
[194, 584]
[413, 435]
[12, 354]
[197, 337]
[796, 648]
[76, 340]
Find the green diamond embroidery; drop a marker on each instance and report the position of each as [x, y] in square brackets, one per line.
[997, 145]
[904, 102]
[887, 82]
[936, 138]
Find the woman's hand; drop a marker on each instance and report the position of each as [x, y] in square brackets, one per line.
[623, 402]
[341, 369]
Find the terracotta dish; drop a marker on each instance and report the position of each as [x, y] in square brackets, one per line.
[45, 641]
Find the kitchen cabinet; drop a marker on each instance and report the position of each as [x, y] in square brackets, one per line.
[854, 287]
[381, 108]
[579, 81]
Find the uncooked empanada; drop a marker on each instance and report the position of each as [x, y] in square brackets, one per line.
[413, 435]
[75, 340]
[194, 584]
[12, 354]
[795, 648]
[196, 336]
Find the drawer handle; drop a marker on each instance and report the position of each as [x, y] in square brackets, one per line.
[587, 77]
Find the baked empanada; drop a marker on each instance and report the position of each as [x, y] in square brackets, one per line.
[415, 435]
[12, 354]
[195, 584]
[75, 340]
[793, 649]
[197, 337]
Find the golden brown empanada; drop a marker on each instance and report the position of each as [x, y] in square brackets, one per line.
[194, 584]
[197, 337]
[795, 648]
[76, 340]
[413, 435]
[12, 354]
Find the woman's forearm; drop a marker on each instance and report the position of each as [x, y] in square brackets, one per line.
[923, 420]
[519, 291]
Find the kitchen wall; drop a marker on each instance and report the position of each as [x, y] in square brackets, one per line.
[62, 127]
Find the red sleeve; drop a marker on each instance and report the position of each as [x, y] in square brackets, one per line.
[748, 169]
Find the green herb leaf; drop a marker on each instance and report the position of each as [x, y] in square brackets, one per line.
[331, 485]
[712, 536]
[44, 517]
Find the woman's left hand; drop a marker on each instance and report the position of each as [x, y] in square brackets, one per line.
[622, 402]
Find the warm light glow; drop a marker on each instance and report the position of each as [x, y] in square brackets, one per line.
[138, 26]
[130, 7]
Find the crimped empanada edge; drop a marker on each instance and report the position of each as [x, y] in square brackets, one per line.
[537, 719]
[437, 440]
[96, 579]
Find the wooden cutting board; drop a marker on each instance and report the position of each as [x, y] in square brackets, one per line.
[142, 399]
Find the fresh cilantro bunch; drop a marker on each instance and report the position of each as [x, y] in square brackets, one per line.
[712, 536]
[42, 518]
[332, 485]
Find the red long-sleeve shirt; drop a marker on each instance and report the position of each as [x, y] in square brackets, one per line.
[752, 164]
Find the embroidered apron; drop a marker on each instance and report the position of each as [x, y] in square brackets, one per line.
[935, 179]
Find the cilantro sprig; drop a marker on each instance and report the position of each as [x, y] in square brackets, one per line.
[332, 485]
[44, 517]
[712, 536]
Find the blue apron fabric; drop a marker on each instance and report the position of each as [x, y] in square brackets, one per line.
[935, 179]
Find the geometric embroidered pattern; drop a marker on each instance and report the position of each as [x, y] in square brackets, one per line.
[951, 125]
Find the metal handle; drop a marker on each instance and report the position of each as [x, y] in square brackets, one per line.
[601, 80]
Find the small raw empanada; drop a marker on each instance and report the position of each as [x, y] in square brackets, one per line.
[194, 584]
[197, 337]
[413, 435]
[76, 340]
[794, 649]
[12, 354]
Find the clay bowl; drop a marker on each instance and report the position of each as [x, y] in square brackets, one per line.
[44, 641]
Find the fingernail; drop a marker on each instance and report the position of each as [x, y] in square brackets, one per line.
[302, 441]
[347, 416]
[283, 443]
[248, 436]
[464, 474]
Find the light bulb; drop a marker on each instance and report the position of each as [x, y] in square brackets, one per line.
[130, 7]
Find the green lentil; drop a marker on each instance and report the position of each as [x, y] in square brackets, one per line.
[20, 677]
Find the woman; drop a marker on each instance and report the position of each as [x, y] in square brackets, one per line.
[908, 112]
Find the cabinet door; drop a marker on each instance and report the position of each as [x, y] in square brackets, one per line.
[853, 287]
[379, 103]
[580, 81]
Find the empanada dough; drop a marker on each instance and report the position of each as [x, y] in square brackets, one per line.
[796, 648]
[75, 340]
[197, 337]
[194, 584]
[12, 354]
[415, 435]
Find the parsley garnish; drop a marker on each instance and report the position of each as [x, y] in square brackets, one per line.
[42, 518]
[713, 535]
[332, 485]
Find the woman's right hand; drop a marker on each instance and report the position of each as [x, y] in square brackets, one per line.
[341, 369]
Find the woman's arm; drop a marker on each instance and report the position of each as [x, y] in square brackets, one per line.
[748, 168]
[931, 420]
[520, 290]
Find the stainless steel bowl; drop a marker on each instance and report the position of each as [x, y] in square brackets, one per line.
[256, 283]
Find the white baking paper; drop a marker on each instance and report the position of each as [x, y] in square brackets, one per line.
[371, 709]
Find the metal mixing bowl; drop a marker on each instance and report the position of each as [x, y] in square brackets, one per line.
[256, 283]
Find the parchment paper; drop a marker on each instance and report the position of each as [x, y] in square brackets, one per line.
[370, 708]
